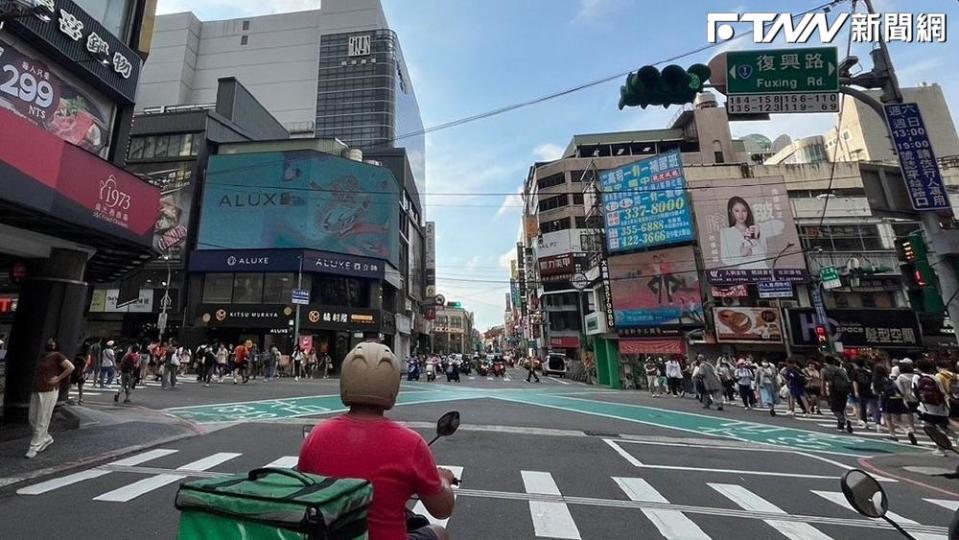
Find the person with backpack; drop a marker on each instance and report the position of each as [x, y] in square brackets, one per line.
[796, 386]
[948, 379]
[836, 387]
[905, 382]
[933, 408]
[813, 386]
[862, 388]
[170, 364]
[129, 366]
[891, 403]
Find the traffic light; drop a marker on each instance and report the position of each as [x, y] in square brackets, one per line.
[822, 339]
[674, 86]
[923, 285]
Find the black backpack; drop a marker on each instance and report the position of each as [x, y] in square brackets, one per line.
[840, 381]
[864, 378]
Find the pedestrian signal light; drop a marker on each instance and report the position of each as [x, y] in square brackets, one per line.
[673, 86]
[821, 336]
[920, 279]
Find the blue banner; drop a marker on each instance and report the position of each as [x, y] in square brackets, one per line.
[645, 204]
[920, 170]
[300, 199]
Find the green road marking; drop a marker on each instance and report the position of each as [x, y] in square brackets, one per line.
[272, 409]
[556, 398]
[797, 439]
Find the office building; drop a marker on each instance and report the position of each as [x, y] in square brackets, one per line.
[334, 72]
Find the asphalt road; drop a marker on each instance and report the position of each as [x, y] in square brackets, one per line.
[538, 461]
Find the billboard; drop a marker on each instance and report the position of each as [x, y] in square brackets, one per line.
[559, 243]
[300, 199]
[645, 204]
[176, 201]
[744, 231]
[656, 288]
[748, 325]
[880, 328]
[53, 101]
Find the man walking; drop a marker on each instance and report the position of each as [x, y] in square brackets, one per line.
[532, 370]
[96, 357]
[327, 363]
[711, 384]
[836, 387]
[129, 367]
[52, 369]
[108, 364]
[171, 363]
[652, 377]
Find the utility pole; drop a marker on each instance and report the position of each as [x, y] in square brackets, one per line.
[783, 321]
[296, 321]
[883, 75]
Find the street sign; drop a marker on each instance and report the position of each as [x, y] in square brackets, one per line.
[775, 289]
[782, 71]
[161, 323]
[301, 297]
[830, 277]
[819, 305]
[440, 300]
[783, 103]
[920, 170]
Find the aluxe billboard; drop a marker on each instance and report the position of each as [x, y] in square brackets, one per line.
[300, 199]
[285, 260]
[41, 171]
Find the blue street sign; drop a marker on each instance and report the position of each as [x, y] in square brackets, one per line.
[301, 296]
[819, 305]
[775, 289]
[920, 170]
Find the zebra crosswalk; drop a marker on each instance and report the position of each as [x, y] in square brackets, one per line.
[550, 512]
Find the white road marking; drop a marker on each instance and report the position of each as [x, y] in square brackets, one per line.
[420, 508]
[471, 378]
[550, 519]
[285, 462]
[561, 381]
[633, 460]
[77, 394]
[748, 500]
[948, 504]
[672, 524]
[89, 474]
[147, 485]
[489, 378]
[840, 499]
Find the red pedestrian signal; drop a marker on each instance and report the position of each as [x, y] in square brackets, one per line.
[821, 336]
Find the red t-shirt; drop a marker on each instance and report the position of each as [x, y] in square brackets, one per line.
[239, 355]
[394, 458]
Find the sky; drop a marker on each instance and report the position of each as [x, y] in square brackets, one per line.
[471, 56]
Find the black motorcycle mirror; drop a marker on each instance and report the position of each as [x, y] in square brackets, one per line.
[867, 497]
[447, 425]
[940, 438]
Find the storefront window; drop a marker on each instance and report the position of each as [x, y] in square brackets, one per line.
[218, 288]
[248, 289]
[278, 288]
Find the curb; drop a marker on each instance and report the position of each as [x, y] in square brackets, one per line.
[194, 431]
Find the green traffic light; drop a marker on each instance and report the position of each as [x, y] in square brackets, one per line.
[673, 86]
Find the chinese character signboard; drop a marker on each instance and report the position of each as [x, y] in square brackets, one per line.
[879, 328]
[775, 289]
[782, 81]
[746, 231]
[748, 325]
[656, 288]
[645, 204]
[916, 157]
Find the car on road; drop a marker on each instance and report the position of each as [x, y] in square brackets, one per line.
[556, 364]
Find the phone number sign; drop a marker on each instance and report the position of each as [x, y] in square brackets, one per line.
[645, 204]
[920, 170]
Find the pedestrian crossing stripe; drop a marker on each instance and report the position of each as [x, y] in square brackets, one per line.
[840, 499]
[548, 506]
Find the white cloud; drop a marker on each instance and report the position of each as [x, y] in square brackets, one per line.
[505, 258]
[512, 203]
[548, 152]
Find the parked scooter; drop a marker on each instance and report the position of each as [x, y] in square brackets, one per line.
[866, 496]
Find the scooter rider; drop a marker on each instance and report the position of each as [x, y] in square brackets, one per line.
[363, 443]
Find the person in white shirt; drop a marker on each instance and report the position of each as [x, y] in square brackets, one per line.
[674, 376]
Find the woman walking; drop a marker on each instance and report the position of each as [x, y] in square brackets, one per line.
[891, 403]
[796, 386]
[298, 358]
[813, 387]
[674, 376]
[904, 382]
[725, 372]
[744, 378]
[766, 381]
[222, 359]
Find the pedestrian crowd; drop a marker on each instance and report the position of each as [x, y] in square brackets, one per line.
[888, 395]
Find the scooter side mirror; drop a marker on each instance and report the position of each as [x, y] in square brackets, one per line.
[448, 424]
[864, 493]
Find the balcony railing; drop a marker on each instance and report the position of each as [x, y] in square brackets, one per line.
[841, 259]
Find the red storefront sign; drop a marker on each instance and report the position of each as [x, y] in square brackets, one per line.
[564, 342]
[44, 173]
[8, 304]
[557, 265]
[651, 346]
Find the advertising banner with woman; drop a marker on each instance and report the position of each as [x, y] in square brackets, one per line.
[744, 231]
[656, 288]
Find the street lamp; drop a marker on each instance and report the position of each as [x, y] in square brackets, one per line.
[165, 302]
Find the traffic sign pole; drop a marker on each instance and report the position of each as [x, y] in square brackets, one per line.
[296, 321]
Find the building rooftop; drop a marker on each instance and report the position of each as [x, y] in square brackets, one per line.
[621, 137]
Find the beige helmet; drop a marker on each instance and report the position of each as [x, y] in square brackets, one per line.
[370, 376]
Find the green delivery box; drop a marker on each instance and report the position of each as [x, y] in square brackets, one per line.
[275, 503]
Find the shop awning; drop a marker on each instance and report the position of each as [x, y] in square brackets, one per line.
[54, 188]
[651, 346]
